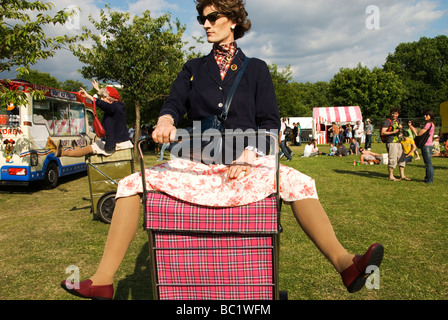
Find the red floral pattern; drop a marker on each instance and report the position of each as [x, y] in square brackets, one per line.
[208, 185]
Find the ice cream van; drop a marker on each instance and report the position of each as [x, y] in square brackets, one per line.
[30, 134]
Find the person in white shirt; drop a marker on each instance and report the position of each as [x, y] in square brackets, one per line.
[311, 150]
[359, 131]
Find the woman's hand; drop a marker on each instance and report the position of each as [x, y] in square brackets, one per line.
[242, 164]
[165, 131]
[84, 93]
[95, 85]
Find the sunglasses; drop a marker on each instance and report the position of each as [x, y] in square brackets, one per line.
[212, 17]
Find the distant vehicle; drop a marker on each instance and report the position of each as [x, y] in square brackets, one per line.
[444, 115]
[30, 134]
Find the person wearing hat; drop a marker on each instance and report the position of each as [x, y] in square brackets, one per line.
[436, 146]
[114, 123]
[369, 131]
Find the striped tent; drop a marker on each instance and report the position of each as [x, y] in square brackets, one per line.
[339, 115]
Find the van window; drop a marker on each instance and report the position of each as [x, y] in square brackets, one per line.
[43, 114]
[77, 119]
[60, 117]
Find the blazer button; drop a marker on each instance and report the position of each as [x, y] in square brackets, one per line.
[220, 105]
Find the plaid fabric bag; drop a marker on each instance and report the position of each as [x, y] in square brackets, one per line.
[203, 253]
[166, 213]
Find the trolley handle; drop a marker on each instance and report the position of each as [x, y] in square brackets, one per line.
[272, 135]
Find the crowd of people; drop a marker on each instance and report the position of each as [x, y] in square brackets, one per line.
[400, 144]
[346, 133]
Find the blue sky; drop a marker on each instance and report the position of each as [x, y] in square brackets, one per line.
[316, 38]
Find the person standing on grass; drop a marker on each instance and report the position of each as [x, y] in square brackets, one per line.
[283, 141]
[358, 130]
[391, 129]
[427, 148]
[369, 132]
[335, 131]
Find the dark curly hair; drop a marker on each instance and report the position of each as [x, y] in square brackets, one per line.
[233, 10]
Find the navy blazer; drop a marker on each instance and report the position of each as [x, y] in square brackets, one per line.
[199, 92]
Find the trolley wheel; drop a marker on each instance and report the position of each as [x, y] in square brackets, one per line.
[51, 177]
[106, 206]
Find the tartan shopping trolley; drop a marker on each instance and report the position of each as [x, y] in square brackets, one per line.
[104, 174]
[206, 253]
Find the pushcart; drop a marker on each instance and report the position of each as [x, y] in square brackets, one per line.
[206, 253]
[104, 174]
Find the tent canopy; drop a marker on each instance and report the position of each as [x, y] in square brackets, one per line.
[337, 114]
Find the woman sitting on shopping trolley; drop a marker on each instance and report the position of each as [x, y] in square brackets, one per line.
[199, 91]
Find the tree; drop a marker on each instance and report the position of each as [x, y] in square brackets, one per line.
[287, 92]
[71, 85]
[23, 41]
[143, 56]
[40, 78]
[375, 91]
[45, 79]
[423, 68]
[312, 95]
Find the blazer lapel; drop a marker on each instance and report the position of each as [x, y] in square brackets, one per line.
[211, 68]
[235, 66]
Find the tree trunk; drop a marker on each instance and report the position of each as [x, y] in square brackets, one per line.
[137, 130]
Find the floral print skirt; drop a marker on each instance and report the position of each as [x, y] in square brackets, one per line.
[208, 185]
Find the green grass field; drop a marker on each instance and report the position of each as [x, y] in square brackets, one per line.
[45, 231]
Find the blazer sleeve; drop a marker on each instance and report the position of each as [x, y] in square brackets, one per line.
[105, 106]
[176, 104]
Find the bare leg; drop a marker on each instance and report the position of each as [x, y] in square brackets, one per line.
[77, 152]
[391, 174]
[121, 233]
[315, 223]
[402, 175]
[418, 156]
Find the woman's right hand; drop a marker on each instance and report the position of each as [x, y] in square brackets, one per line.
[84, 93]
[165, 131]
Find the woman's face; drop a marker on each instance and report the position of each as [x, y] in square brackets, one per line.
[218, 32]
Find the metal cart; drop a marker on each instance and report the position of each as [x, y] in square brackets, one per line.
[205, 253]
[104, 174]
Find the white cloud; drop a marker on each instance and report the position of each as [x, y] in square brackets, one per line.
[157, 7]
[316, 38]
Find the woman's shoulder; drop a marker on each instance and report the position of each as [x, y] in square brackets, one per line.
[428, 125]
[195, 61]
[257, 63]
